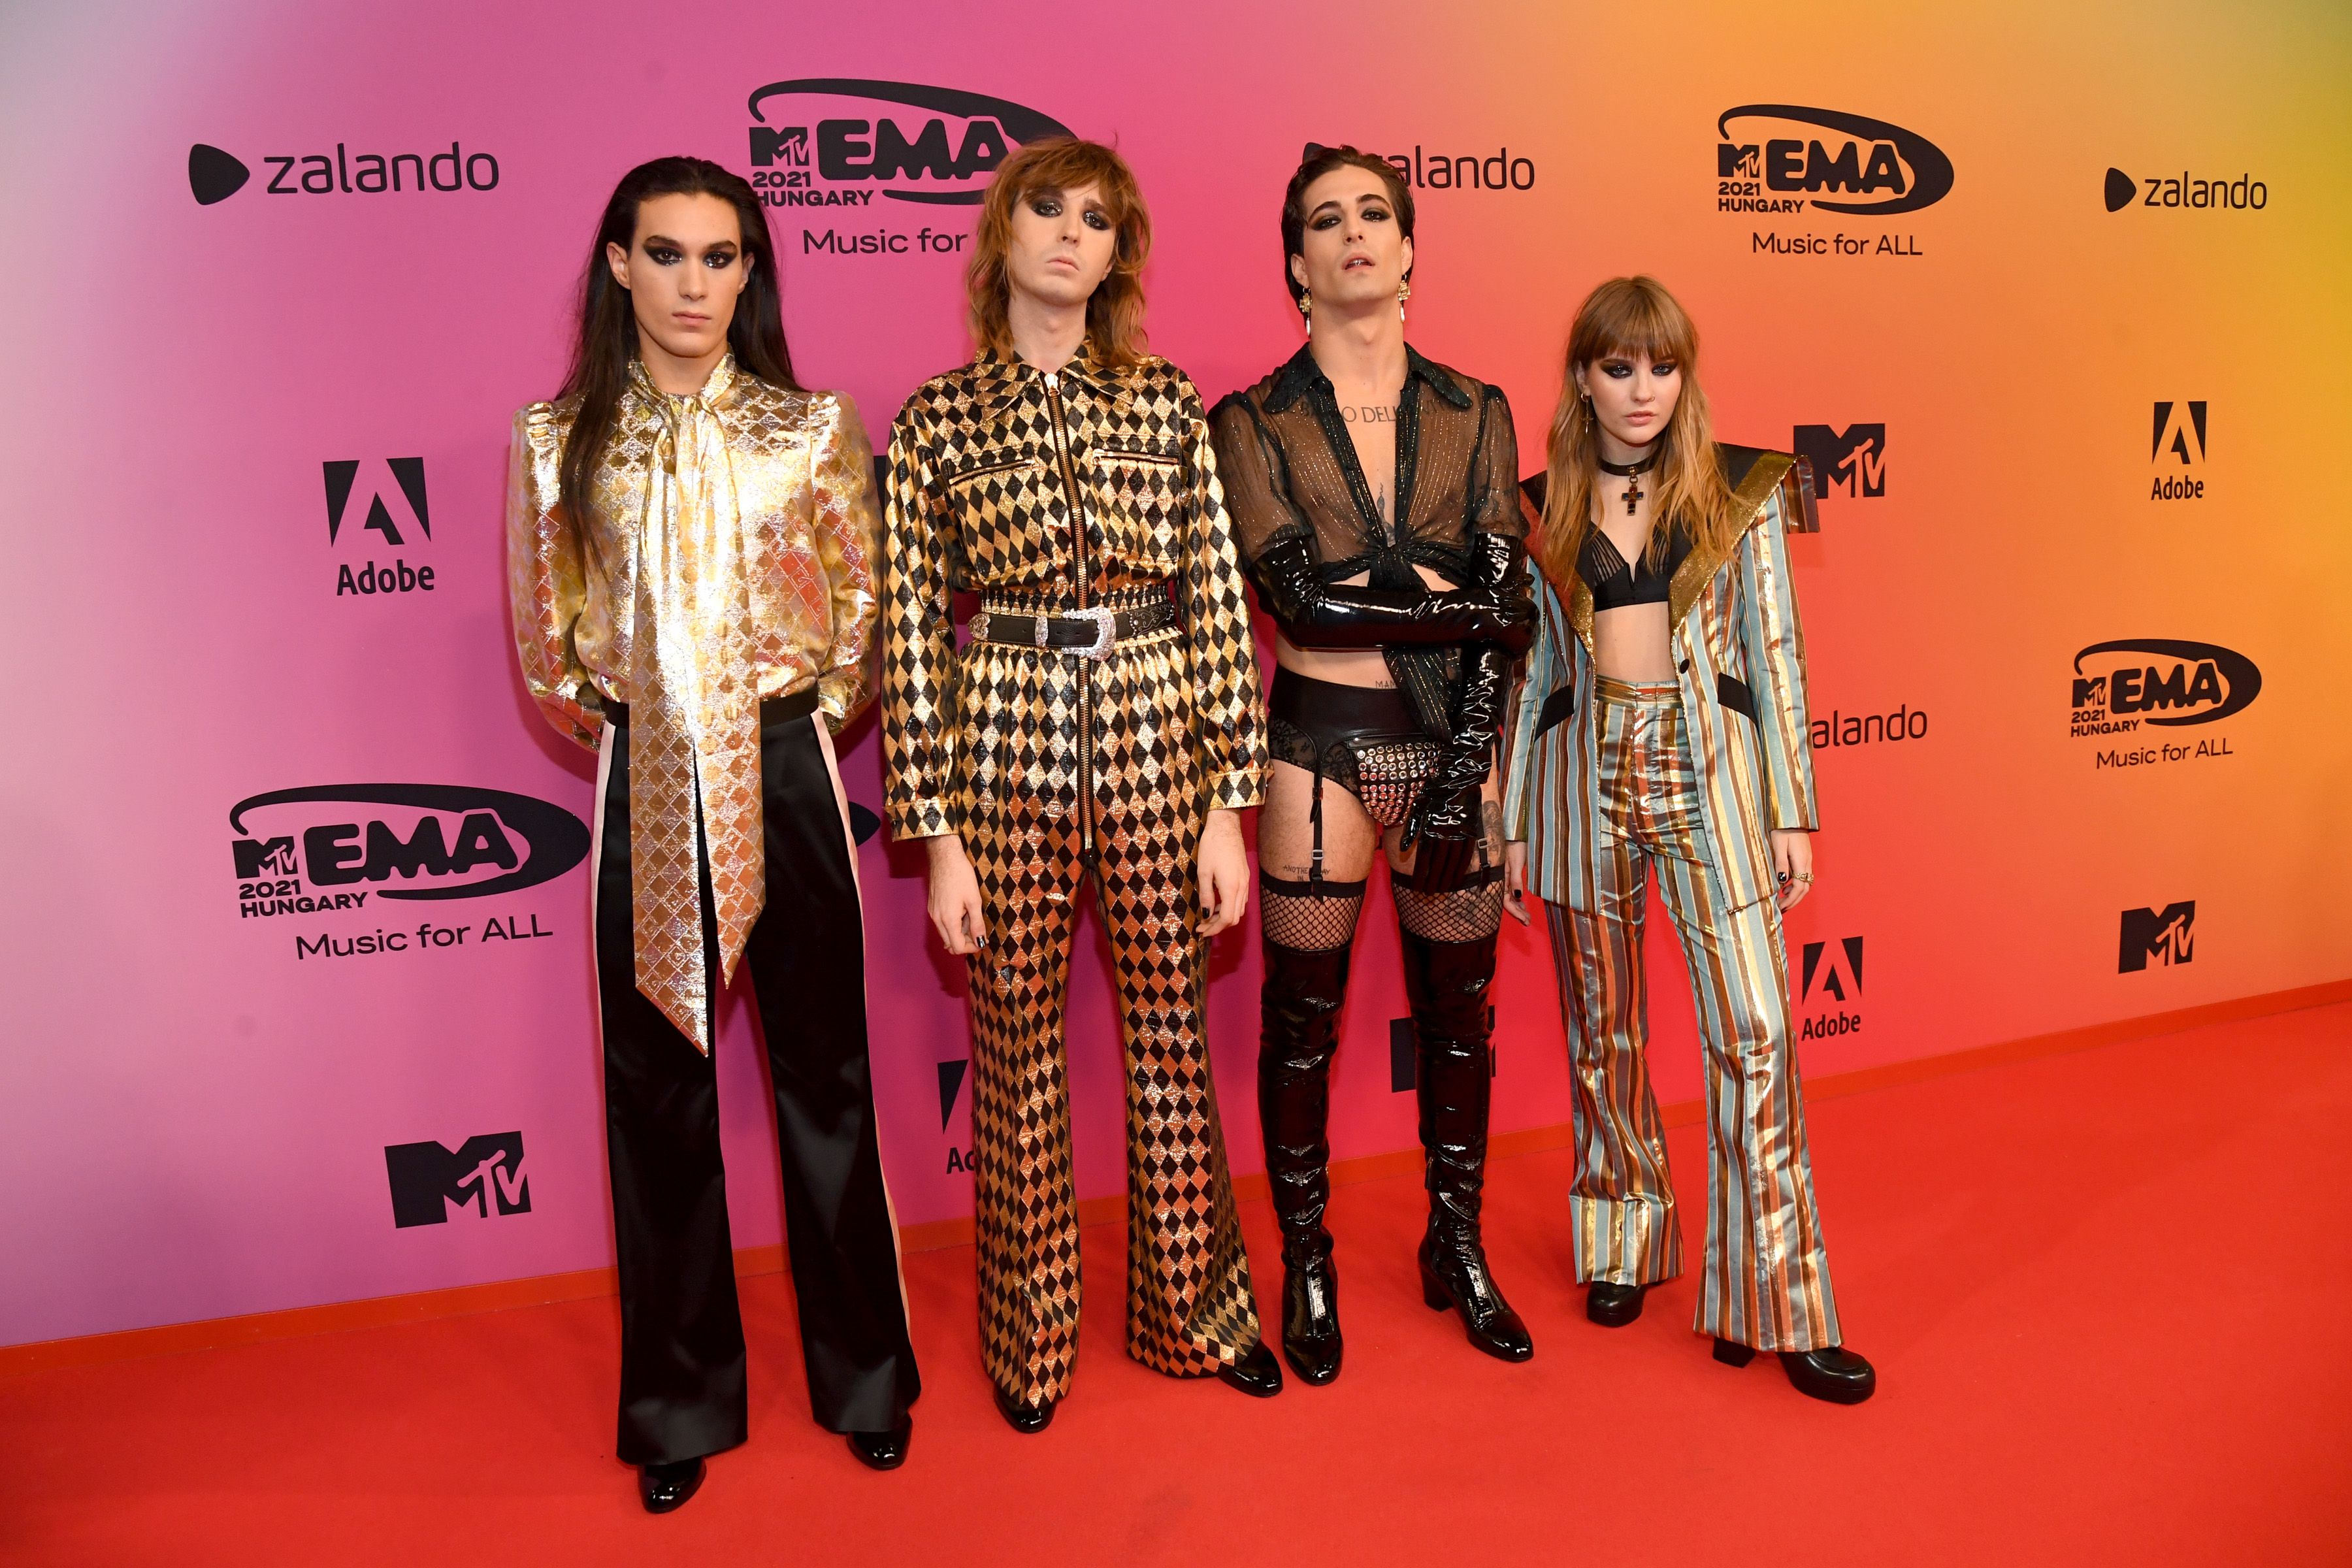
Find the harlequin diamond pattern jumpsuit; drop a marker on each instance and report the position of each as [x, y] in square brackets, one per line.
[1053, 493]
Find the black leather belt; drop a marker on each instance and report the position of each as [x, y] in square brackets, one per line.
[773, 709]
[1089, 634]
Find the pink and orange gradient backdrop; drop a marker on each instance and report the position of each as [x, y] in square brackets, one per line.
[193, 1119]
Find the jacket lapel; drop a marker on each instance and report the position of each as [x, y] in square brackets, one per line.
[1748, 498]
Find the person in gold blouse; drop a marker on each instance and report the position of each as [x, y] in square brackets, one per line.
[1102, 723]
[690, 549]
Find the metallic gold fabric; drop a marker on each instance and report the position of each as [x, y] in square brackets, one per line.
[1767, 1282]
[728, 557]
[1086, 489]
[1051, 493]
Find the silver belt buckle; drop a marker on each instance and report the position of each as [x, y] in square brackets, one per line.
[1106, 620]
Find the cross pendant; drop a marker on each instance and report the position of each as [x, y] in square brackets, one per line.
[1632, 493]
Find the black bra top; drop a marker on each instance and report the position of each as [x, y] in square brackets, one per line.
[1614, 584]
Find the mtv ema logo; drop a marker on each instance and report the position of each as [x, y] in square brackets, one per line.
[840, 142]
[2178, 453]
[386, 495]
[1836, 973]
[306, 851]
[2161, 681]
[1853, 459]
[1778, 159]
[429, 1182]
[2162, 935]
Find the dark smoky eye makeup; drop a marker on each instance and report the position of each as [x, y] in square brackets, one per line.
[1376, 212]
[1094, 219]
[665, 255]
[1663, 367]
[1046, 207]
[1618, 368]
[719, 258]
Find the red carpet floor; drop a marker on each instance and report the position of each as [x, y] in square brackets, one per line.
[2106, 1293]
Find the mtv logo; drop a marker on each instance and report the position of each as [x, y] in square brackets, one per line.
[394, 488]
[1736, 163]
[2090, 693]
[263, 858]
[2180, 433]
[1841, 977]
[785, 144]
[1853, 459]
[2160, 934]
[429, 1180]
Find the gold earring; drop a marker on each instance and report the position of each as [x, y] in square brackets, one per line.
[1404, 292]
[1306, 308]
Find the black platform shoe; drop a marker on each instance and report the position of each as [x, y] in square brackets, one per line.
[665, 1488]
[883, 1450]
[1257, 1374]
[1299, 1011]
[1026, 1419]
[1613, 1305]
[1836, 1374]
[1445, 984]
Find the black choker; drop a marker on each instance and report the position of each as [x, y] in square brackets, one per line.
[1630, 473]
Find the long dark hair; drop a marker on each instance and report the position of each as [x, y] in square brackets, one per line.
[608, 324]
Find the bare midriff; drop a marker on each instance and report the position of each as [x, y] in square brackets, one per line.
[1351, 666]
[1630, 643]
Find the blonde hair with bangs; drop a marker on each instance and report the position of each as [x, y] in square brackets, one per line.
[1634, 317]
[1115, 311]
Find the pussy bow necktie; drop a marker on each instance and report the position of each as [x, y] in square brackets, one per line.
[694, 720]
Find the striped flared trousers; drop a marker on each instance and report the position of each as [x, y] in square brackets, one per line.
[1767, 1282]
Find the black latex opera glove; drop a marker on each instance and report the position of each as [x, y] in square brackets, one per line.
[1502, 574]
[1444, 821]
[1316, 614]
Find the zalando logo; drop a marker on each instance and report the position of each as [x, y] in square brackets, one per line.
[215, 175]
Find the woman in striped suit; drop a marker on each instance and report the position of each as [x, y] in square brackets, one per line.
[1662, 725]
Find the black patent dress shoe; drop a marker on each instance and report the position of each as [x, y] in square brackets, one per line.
[1258, 1374]
[1026, 1419]
[1836, 1375]
[883, 1450]
[665, 1488]
[1310, 1321]
[1455, 1275]
[1613, 1305]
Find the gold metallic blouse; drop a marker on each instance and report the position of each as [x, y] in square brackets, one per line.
[725, 556]
[1056, 492]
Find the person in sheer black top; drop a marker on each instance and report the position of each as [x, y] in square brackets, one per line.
[1374, 495]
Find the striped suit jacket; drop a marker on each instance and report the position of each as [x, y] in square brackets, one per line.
[1740, 658]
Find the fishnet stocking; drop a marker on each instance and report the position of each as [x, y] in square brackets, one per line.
[1471, 913]
[1306, 922]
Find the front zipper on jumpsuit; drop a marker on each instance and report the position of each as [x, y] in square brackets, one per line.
[1086, 677]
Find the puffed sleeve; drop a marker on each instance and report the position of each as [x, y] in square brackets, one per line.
[544, 576]
[848, 532]
[1228, 704]
[919, 676]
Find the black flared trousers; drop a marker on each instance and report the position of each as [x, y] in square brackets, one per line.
[682, 1385]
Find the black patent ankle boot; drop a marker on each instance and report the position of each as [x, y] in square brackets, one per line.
[1446, 984]
[1301, 1006]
